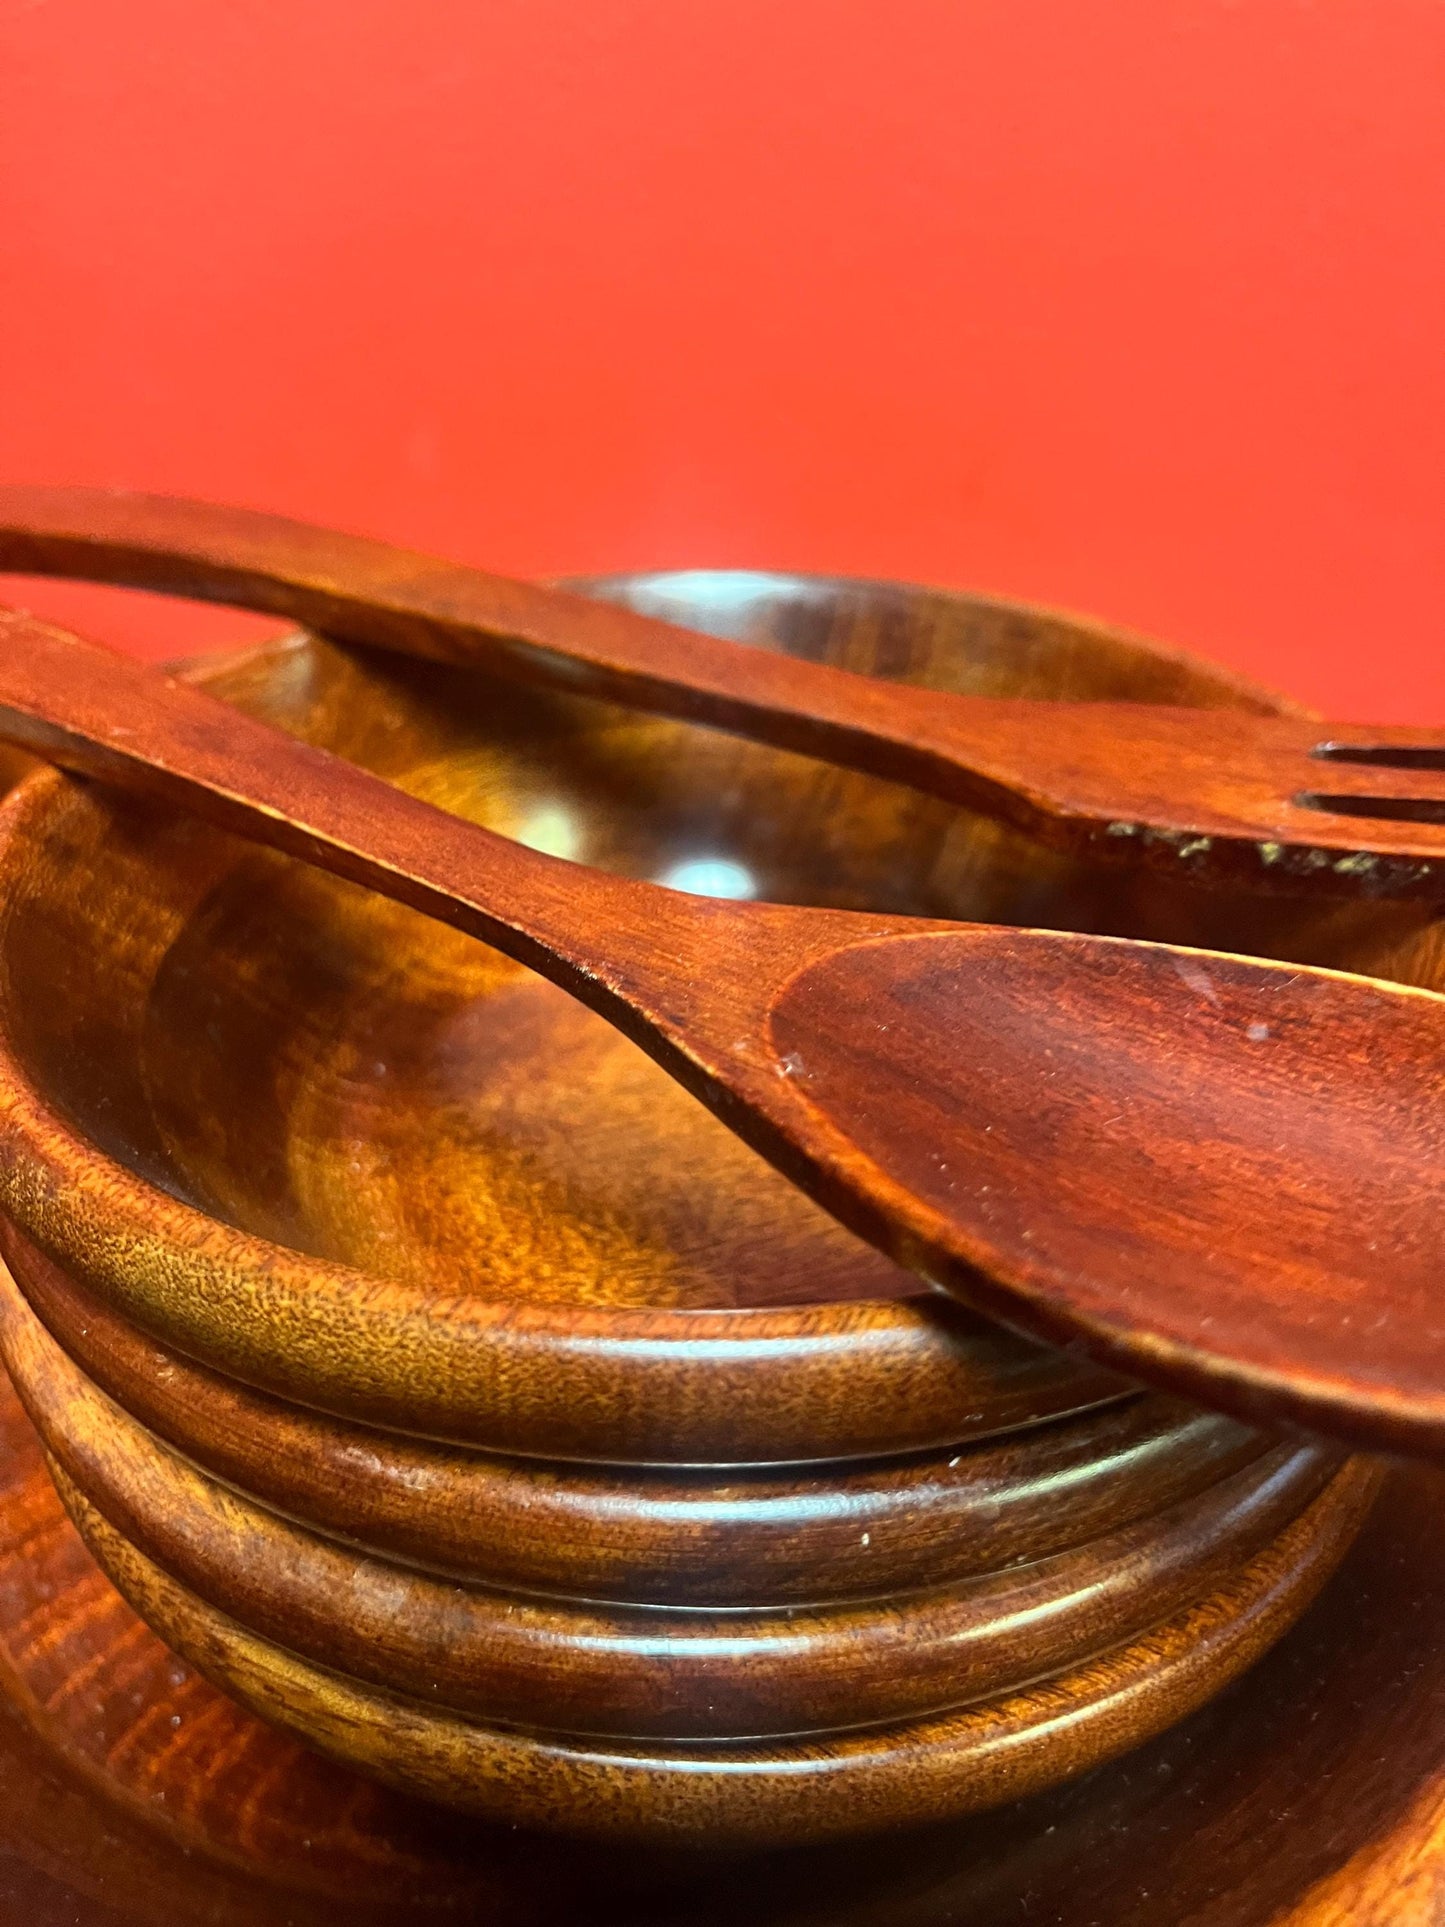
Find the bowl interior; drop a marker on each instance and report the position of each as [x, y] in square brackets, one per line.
[317, 1067]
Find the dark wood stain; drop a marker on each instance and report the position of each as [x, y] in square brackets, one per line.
[1309, 1795]
[763, 1537]
[819, 1787]
[683, 1674]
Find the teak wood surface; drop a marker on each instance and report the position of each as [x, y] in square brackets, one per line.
[767, 1537]
[1229, 796]
[764, 1790]
[594, 1258]
[580, 1668]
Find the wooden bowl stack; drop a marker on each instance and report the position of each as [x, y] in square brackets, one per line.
[435, 1376]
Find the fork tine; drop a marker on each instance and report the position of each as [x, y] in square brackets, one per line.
[1388, 809]
[1393, 776]
[1413, 756]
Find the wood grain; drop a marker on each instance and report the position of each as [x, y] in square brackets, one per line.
[827, 1787]
[1308, 1795]
[749, 1539]
[681, 1674]
[1205, 1157]
[555, 1226]
[891, 1068]
[1223, 795]
[216, 962]
[129, 1781]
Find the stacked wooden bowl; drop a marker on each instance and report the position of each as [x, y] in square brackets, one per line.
[434, 1375]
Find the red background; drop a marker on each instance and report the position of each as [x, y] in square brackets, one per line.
[1134, 307]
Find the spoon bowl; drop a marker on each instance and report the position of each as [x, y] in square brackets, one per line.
[1179, 1153]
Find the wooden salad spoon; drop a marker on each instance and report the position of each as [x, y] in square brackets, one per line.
[1223, 1175]
[1278, 802]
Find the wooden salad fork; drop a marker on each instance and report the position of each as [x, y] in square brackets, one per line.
[1222, 1175]
[1277, 802]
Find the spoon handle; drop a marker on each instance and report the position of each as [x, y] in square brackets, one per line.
[611, 941]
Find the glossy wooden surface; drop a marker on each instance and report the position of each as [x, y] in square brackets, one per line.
[749, 1538]
[246, 1803]
[553, 1223]
[817, 1787]
[1223, 1176]
[1231, 1177]
[1310, 1794]
[1352, 811]
[582, 1669]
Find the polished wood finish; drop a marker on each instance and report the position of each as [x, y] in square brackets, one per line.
[1229, 1176]
[634, 1674]
[253, 1809]
[749, 1538]
[1310, 1794]
[540, 1207]
[1350, 810]
[882, 1372]
[1055, 1126]
[823, 1786]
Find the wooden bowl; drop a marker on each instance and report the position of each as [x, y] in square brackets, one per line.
[746, 1537]
[790, 1791]
[305, 1183]
[1306, 1795]
[582, 1668]
[351, 1158]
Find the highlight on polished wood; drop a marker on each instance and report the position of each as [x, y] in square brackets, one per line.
[258, 1080]
[583, 1668]
[1231, 795]
[1308, 1794]
[1221, 1174]
[719, 1537]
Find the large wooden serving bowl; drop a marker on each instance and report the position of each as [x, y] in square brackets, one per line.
[356, 1262]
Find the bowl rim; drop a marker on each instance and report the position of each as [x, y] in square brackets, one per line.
[639, 1385]
[629, 1670]
[755, 1537]
[933, 1768]
[1234, 685]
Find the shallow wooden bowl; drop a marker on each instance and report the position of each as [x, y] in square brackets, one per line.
[744, 1537]
[353, 1159]
[1311, 1791]
[824, 1786]
[637, 1672]
[306, 1185]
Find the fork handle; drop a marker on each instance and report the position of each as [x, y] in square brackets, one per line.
[360, 590]
[985, 753]
[1212, 794]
